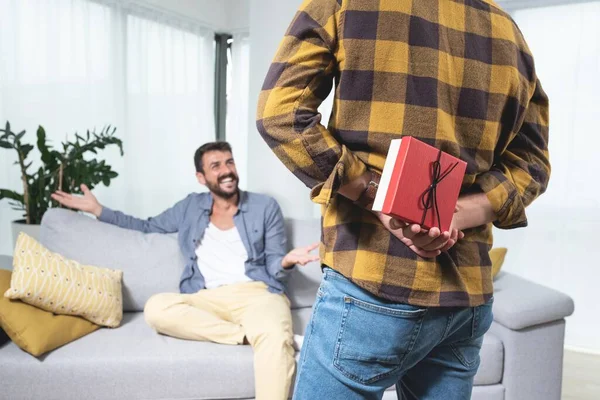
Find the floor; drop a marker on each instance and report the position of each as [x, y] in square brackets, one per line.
[581, 376]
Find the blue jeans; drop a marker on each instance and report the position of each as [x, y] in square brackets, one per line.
[357, 345]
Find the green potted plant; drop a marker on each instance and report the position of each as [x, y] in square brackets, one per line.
[62, 169]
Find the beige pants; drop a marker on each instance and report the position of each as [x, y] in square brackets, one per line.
[228, 314]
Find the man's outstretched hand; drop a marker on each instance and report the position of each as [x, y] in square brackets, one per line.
[87, 202]
[300, 255]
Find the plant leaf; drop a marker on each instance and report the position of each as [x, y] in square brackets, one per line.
[26, 149]
[12, 195]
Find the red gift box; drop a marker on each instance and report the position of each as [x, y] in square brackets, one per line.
[420, 184]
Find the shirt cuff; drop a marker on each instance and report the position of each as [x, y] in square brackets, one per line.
[348, 168]
[504, 198]
[282, 273]
[107, 215]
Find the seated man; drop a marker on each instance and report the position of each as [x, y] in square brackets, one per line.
[232, 287]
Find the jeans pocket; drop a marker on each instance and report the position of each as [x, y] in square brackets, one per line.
[373, 339]
[467, 351]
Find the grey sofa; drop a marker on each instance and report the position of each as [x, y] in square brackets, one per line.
[521, 356]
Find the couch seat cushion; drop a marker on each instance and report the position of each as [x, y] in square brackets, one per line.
[134, 362]
[492, 361]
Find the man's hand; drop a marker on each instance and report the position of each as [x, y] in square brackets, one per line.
[300, 255]
[427, 244]
[87, 202]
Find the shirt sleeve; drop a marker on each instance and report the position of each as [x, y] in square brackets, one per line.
[168, 221]
[275, 242]
[299, 79]
[522, 171]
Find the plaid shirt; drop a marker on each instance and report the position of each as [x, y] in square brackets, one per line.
[455, 74]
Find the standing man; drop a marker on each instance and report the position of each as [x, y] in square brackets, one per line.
[397, 304]
[233, 286]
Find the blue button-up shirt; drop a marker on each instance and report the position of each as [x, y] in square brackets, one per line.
[259, 221]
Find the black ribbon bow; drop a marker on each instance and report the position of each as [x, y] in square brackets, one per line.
[429, 197]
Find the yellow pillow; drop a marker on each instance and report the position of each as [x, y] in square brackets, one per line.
[37, 331]
[497, 255]
[49, 281]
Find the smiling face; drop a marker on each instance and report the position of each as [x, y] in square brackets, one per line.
[219, 174]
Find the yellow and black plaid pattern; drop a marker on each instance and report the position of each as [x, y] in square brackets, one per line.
[455, 74]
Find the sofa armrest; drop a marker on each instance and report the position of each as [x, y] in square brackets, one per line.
[519, 303]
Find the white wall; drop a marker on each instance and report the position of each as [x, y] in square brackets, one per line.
[238, 15]
[269, 20]
[559, 248]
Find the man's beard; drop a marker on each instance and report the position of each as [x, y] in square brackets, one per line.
[215, 188]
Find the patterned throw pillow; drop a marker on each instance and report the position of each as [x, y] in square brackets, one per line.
[49, 281]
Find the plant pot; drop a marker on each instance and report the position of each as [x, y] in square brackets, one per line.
[21, 226]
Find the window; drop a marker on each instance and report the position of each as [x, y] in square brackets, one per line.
[72, 65]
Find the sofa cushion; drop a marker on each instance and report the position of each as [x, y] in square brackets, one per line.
[492, 361]
[151, 263]
[131, 362]
[134, 362]
[304, 282]
[300, 319]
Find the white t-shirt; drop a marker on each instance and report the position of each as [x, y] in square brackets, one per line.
[221, 257]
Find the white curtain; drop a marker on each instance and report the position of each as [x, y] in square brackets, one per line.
[170, 95]
[72, 65]
[237, 102]
[559, 248]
